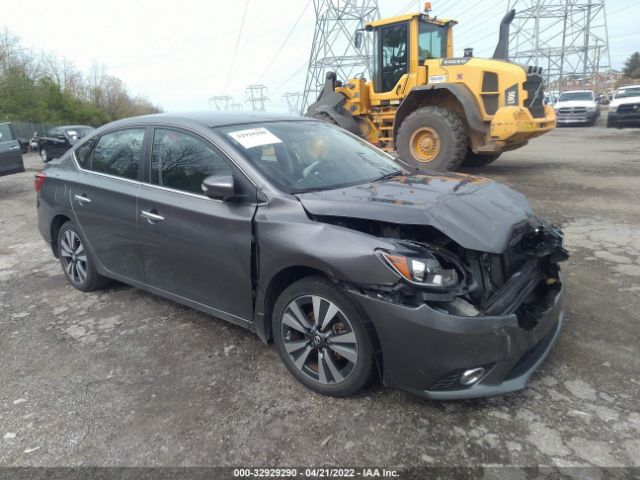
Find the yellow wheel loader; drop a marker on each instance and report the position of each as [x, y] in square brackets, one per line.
[436, 111]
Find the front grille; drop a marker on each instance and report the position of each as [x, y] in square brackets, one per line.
[630, 108]
[572, 110]
[535, 95]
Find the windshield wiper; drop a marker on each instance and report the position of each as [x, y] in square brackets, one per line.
[387, 176]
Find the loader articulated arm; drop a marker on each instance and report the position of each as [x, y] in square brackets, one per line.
[330, 103]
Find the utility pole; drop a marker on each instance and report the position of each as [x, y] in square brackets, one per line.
[333, 47]
[257, 97]
[571, 35]
[293, 102]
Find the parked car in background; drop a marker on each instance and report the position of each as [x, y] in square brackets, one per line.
[10, 154]
[24, 144]
[577, 106]
[60, 139]
[446, 285]
[625, 107]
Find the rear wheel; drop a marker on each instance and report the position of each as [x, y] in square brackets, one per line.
[474, 160]
[321, 338]
[432, 138]
[77, 264]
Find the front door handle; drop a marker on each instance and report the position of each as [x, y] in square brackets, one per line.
[82, 199]
[151, 216]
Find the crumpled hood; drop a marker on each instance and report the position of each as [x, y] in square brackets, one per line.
[475, 212]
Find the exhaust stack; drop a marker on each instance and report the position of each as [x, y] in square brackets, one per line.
[502, 49]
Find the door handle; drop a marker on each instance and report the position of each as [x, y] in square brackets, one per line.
[151, 216]
[82, 199]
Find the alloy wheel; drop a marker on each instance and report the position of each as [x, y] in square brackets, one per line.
[319, 339]
[74, 257]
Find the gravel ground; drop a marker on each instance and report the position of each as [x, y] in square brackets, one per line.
[121, 377]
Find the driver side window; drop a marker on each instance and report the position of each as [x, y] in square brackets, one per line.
[393, 55]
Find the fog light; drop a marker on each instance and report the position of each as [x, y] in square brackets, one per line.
[469, 377]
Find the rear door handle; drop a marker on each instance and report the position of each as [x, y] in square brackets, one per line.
[151, 216]
[82, 199]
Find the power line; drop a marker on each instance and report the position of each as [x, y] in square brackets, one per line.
[624, 8]
[285, 40]
[235, 50]
[298, 70]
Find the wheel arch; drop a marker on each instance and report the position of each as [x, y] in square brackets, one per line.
[288, 276]
[56, 225]
[451, 96]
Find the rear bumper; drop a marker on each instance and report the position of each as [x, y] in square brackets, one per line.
[424, 351]
[515, 126]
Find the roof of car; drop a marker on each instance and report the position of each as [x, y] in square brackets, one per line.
[578, 91]
[214, 119]
[74, 126]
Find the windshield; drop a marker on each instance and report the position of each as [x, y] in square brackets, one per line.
[569, 96]
[628, 92]
[431, 41]
[299, 157]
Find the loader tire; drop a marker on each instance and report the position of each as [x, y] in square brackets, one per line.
[473, 160]
[432, 138]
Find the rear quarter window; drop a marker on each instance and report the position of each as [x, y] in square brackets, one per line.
[83, 154]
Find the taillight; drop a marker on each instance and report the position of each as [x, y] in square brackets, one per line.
[39, 181]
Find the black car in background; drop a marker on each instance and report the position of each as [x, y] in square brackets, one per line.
[445, 285]
[60, 139]
[10, 154]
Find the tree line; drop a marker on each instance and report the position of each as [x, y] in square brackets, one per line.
[43, 87]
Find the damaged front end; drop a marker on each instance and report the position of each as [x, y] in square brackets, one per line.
[467, 323]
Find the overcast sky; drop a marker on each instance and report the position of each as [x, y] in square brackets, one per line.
[179, 53]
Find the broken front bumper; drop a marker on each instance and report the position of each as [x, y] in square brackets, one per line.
[424, 351]
[514, 126]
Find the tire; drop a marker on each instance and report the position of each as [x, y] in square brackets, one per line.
[473, 160]
[44, 156]
[309, 351]
[446, 150]
[611, 122]
[76, 261]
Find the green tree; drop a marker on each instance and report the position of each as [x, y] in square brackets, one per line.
[632, 66]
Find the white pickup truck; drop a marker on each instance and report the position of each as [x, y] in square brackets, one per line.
[577, 106]
[625, 106]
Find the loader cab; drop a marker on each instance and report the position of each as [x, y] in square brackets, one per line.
[402, 46]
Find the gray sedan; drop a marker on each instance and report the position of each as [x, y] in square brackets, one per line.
[444, 285]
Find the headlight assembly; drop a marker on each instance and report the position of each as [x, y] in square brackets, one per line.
[424, 271]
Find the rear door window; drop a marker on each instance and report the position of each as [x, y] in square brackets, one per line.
[5, 133]
[182, 161]
[119, 153]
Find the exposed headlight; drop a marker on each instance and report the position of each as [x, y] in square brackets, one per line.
[423, 271]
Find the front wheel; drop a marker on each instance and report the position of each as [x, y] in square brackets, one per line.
[611, 122]
[432, 138]
[321, 338]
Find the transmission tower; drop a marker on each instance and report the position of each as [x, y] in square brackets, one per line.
[235, 107]
[257, 97]
[333, 43]
[567, 38]
[293, 101]
[221, 102]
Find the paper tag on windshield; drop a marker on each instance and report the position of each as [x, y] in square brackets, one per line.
[254, 137]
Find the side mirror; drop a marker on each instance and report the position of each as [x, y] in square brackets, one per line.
[219, 187]
[357, 39]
